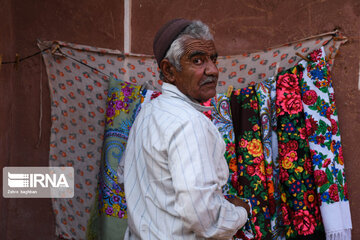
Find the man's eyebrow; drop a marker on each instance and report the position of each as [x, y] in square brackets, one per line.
[196, 53]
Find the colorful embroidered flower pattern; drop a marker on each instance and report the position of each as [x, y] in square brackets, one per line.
[300, 211]
[221, 117]
[251, 177]
[122, 106]
[322, 129]
[119, 101]
[266, 95]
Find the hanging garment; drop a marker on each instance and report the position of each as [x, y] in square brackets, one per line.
[251, 177]
[221, 118]
[109, 214]
[300, 211]
[322, 131]
[266, 95]
[122, 105]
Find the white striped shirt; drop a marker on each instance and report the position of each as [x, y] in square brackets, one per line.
[174, 171]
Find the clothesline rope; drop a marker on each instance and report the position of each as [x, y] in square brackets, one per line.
[335, 38]
[41, 105]
[24, 58]
[92, 68]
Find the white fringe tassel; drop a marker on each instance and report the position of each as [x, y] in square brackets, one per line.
[339, 235]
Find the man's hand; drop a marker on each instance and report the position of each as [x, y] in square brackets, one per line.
[240, 203]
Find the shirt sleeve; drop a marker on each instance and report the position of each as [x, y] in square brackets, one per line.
[199, 169]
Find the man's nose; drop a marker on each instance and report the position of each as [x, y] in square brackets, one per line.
[211, 69]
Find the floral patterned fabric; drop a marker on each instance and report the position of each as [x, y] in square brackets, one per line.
[221, 117]
[322, 131]
[266, 95]
[250, 180]
[301, 217]
[122, 105]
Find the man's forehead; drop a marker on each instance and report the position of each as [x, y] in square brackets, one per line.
[199, 46]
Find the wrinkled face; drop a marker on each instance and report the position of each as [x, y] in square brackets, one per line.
[199, 74]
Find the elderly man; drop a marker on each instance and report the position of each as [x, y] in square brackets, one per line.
[174, 161]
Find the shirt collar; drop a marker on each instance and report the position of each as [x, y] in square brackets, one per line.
[173, 91]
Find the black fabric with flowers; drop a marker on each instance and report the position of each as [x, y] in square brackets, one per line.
[301, 217]
[250, 180]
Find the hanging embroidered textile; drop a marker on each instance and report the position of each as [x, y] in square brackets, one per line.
[266, 95]
[251, 176]
[322, 131]
[122, 105]
[221, 117]
[78, 81]
[301, 217]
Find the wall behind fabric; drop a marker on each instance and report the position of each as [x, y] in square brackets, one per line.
[96, 23]
[238, 25]
[6, 91]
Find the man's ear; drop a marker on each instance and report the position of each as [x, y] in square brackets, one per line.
[168, 71]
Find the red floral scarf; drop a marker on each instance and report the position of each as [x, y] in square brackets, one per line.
[301, 217]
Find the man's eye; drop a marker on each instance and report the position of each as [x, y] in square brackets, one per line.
[197, 61]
